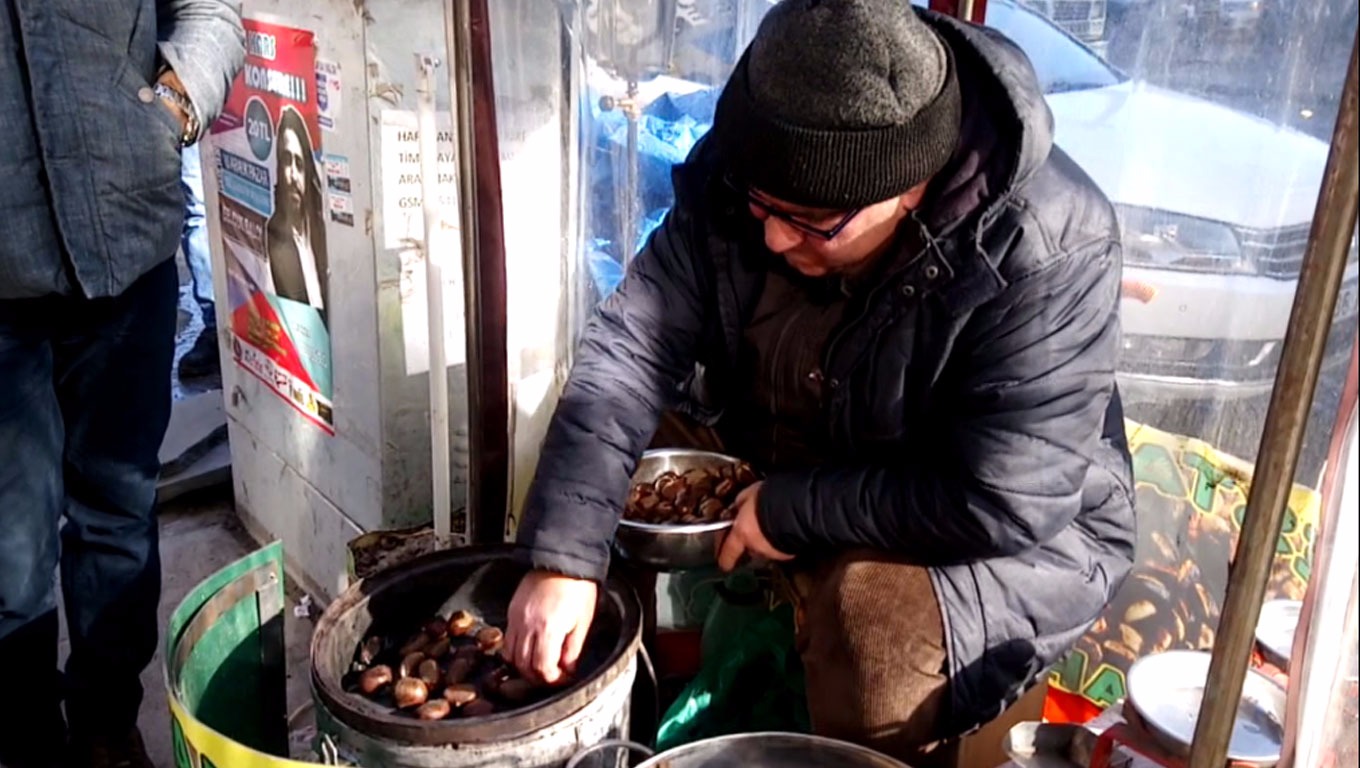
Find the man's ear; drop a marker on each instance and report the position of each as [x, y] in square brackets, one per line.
[911, 199]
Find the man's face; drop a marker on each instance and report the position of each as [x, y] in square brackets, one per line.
[294, 170]
[863, 237]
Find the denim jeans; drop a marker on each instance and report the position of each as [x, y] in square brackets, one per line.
[194, 237]
[84, 405]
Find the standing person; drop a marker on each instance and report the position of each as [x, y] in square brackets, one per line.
[96, 101]
[297, 232]
[884, 285]
[202, 359]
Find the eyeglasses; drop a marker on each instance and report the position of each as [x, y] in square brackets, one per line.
[788, 218]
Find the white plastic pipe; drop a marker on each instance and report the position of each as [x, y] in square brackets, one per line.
[440, 461]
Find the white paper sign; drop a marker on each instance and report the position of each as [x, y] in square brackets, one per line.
[328, 94]
[403, 217]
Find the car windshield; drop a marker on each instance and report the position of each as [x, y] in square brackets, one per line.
[1062, 63]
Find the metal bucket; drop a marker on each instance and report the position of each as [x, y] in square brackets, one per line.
[355, 730]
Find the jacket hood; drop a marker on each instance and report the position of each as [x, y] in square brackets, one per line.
[1007, 130]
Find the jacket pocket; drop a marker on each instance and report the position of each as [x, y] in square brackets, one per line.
[148, 155]
[149, 107]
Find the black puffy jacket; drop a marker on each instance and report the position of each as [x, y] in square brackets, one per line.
[972, 391]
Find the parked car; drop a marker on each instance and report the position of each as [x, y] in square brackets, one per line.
[1216, 207]
[1230, 15]
[1083, 19]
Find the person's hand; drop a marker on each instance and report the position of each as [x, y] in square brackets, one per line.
[169, 78]
[550, 616]
[745, 536]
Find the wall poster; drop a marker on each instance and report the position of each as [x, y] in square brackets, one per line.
[273, 207]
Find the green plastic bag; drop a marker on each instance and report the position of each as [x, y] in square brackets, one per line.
[753, 681]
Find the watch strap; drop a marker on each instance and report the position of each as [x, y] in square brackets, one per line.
[191, 127]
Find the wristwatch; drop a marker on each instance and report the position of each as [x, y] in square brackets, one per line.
[173, 96]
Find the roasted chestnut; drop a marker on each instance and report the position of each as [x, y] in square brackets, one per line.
[369, 651]
[462, 623]
[491, 678]
[479, 708]
[695, 476]
[374, 678]
[429, 673]
[457, 668]
[489, 639]
[439, 649]
[726, 489]
[711, 509]
[410, 664]
[515, 690]
[635, 494]
[685, 498]
[436, 629]
[434, 709]
[410, 692]
[461, 695]
[460, 669]
[697, 496]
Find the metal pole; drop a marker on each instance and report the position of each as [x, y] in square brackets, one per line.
[440, 461]
[457, 31]
[1314, 302]
[630, 207]
[483, 244]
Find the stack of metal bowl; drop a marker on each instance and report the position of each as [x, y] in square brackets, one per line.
[672, 547]
[1166, 690]
[771, 750]
[753, 750]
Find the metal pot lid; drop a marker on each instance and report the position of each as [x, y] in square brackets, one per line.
[1276, 627]
[1166, 690]
[771, 750]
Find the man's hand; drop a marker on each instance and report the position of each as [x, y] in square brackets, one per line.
[745, 535]
[550, 616]
[169, 78]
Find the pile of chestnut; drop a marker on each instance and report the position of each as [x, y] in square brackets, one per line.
[694, 496]
[452, 667]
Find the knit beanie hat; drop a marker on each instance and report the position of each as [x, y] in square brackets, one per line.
[839, 103]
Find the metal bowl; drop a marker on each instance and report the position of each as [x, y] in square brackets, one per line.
[1166, 689]
[771, 750]
[672, 547]
[1275, 630]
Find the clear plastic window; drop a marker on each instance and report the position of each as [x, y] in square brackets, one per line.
[1205, 122]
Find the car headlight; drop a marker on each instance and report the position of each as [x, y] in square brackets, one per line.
[1165, 240]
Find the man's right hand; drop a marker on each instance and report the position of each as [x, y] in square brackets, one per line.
[550, 616]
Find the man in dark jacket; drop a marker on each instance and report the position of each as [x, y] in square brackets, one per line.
[96, 100]
[884, 285]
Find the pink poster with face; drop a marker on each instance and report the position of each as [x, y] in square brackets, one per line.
[272, 209]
